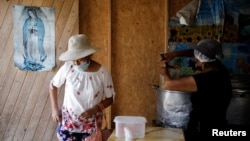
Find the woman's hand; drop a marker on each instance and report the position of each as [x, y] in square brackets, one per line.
[90, 112]
[56, 112]
[169, 56]
[163, 68]
[56, 115]
[163, 71]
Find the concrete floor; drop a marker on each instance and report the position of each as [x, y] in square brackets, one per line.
[239, 109]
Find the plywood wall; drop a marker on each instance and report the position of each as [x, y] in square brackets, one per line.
[138, 36]
[24, 99]
[95, 19]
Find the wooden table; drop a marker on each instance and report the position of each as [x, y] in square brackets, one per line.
[156, 134]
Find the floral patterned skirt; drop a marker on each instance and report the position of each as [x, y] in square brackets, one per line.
[65, 135]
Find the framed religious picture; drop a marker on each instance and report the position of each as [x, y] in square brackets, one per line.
[34, 38]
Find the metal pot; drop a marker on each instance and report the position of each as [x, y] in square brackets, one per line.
[173, 108]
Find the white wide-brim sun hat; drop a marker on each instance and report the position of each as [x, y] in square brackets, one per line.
[78, 47]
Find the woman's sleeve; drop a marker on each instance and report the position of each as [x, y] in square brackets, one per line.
[60, 77]
[108, 85]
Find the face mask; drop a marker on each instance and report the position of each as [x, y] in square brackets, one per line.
[83, 67]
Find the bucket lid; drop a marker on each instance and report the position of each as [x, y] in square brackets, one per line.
[130, 119]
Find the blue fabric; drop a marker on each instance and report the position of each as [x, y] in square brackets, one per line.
[64, 135]
[211, 13]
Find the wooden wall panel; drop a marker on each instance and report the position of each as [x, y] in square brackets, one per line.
[24, 99]
[96, 23]
[138, 36]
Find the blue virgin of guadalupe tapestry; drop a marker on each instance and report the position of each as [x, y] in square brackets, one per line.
[34, 38]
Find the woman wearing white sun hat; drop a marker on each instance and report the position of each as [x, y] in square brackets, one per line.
[86, 83]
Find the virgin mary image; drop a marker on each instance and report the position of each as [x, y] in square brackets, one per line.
[35, 51]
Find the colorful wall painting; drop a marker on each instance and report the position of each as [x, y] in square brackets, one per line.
[225, 20]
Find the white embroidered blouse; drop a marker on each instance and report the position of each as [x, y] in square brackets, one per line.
[83, 90]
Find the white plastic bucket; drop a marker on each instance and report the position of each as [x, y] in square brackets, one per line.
[134, 124]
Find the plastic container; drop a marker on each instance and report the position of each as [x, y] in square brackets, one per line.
[134, 124]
